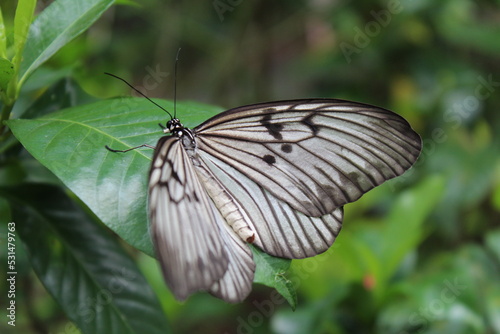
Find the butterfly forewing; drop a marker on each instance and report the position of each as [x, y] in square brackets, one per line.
[189, 233]
[315, 155]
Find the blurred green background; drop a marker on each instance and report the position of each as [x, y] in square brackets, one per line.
[420, 254]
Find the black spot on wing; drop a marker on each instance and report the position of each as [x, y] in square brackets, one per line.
[273, 128]
[287, 148]
[269, 159]
[308, 121]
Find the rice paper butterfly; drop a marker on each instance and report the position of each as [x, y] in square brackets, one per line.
[275, 175]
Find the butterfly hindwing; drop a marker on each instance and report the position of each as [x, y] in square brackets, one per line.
[316, 155]
[237, 281]
[279, 229]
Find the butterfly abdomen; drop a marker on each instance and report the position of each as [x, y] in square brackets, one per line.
[232, 212]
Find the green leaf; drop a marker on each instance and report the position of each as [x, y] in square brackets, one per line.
[271, 272]
[6, 73]
[406, 221]
[45, 77]
[22, 21]
[57, 25]
[3, 37]
[70, 143]
[69, 94]
[81, 264]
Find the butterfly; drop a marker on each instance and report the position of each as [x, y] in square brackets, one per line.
[275, 175]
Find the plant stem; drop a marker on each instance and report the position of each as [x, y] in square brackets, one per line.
[5, 116]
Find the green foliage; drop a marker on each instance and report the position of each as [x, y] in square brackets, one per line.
[271, 271]
[419, 254]
[55, 27]
[6, 73]
[71, 256]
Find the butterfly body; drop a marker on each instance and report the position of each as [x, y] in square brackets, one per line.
[273, 174]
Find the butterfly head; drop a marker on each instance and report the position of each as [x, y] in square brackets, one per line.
[173, 125]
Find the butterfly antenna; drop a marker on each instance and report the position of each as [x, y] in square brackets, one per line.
[175, 82]
[141, 93]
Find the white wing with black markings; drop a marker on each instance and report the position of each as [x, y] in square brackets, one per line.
[316, 155]
[273, 174]
[195, 248]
